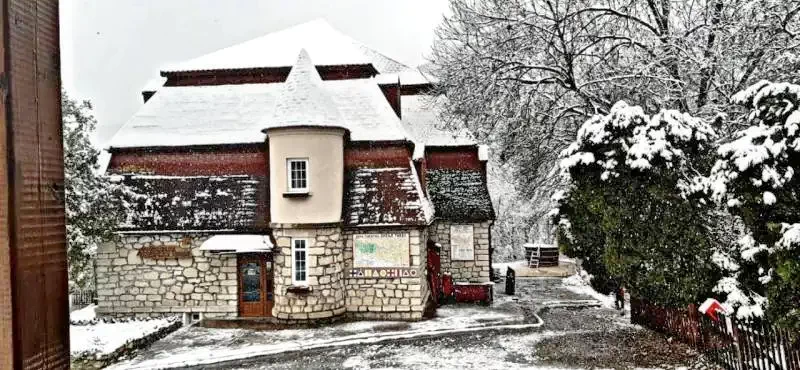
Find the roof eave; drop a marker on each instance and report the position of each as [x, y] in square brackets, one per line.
[290, 127]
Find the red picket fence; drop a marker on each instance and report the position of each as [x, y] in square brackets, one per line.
[732, 343]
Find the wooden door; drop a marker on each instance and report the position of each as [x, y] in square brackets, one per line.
[434, 272]
[255, 285]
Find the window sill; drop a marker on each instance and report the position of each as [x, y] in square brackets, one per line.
[298, 289]
[296, 194]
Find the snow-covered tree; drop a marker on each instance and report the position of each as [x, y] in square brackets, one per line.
[94, 205]
[626, 209]
[756, 179]
[527, 73]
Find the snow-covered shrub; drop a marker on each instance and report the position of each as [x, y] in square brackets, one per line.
[94, 205]
[755, 178]
[626, 209]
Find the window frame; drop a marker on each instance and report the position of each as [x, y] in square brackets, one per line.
[289, 187]
[295, 281]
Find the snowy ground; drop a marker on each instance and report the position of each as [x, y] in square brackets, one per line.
[101, 338]
[197, 346]
[84, 314]
[550, 324]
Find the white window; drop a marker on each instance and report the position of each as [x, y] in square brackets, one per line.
[462, 245]
[297, 175]
[299, 266]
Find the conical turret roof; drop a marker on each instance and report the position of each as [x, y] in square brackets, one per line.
[304, 101]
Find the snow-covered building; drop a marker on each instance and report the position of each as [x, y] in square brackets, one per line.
[300, 176]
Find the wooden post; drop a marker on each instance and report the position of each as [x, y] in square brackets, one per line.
[34, 322]
[694, 324]
[733, 331]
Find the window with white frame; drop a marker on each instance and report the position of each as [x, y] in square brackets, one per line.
[297, 174]
[462, 243]
[299, 266]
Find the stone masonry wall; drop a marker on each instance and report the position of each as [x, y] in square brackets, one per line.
[476, 271]
[388, 298]
[128, 285]
[324, 264]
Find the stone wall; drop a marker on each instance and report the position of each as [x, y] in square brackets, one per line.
[128, 285]
[477, 270]
[325, 297]
[389, 298]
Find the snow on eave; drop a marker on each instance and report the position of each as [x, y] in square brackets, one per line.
[154, 84]
[275, 128]
[428, 211]
[175, 231]
[238, 243]
[483, 152]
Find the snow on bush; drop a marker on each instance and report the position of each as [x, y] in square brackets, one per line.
[759, 153]
[739, 299]
[580, 284]
[629, 136]
[755, 178]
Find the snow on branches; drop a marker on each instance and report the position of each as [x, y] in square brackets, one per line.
[754, 177]
[93, 204]
[758, 159]
[629, 136]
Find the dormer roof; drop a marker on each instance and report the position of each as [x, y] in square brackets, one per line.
[303, 100]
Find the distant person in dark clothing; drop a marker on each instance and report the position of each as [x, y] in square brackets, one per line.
[619, 295]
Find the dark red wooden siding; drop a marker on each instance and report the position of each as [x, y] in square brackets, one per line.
[252, 160]
[262, 75]
[416, 89]
[460, 158]
[378, 155]
[392, 94]
[35, 256]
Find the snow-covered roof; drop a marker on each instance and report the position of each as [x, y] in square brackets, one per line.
[201, 203]
[408, 76]
[459, 195]
[238, 243]
[382, 63]
[303, 100]
[154, 84]
[236, 114]
[421, 120]
[199, 115]
[384, 196]
[325, 44]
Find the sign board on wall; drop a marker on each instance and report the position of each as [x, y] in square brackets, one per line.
[169, 251]
[384, 272]
[462, 247]
[164, 252]
[381, 250]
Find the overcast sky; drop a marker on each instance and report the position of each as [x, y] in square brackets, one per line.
[111, 48]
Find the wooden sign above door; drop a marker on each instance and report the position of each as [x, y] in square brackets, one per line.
[169, 251]
[165, 252]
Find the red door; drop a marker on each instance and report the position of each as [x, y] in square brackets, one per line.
[434, 272]
[255, 285]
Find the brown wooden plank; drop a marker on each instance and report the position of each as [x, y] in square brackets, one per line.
[6, 317]
[34, 160]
